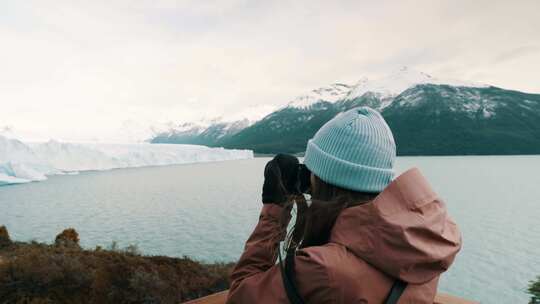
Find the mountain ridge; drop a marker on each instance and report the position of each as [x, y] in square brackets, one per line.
[429, 116]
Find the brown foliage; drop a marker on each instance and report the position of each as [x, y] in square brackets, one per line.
[40, 273]
[67, 238]
[4, 237]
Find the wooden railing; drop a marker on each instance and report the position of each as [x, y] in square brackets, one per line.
[217, 298]
[221, 297]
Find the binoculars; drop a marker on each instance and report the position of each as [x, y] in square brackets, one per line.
[303, 180]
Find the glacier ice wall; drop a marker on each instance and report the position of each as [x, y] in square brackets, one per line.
[26, 162]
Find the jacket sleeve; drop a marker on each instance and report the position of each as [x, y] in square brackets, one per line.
[257, 279]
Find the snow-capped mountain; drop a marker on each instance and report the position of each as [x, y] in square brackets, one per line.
[221, 130]
[428, 115]
[183, 133]
[395, 83]
[201, 133]
[218, 130]
[447, 120]
[385, 89]
[331, 93]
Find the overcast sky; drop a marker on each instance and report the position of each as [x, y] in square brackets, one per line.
[94, 70]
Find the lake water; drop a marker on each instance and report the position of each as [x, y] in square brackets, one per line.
[206, 211]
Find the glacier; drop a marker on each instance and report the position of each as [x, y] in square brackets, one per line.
[27, 162]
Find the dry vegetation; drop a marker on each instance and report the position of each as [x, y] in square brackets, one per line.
[65, 273]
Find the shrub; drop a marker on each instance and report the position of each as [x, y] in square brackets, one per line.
[41, 273]
[534, 290]
[4, 237]
[67, 238]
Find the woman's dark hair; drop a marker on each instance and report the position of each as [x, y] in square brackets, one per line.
[314, 223]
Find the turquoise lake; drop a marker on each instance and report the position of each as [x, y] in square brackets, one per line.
[206, 211]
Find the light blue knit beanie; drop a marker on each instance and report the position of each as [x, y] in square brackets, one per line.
[355, 150]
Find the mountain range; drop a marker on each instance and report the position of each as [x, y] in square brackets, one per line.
[427, 115]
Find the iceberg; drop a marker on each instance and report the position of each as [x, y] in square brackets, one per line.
[27, 162]
[10, 180]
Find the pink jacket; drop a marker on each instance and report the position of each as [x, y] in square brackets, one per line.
[405, 232]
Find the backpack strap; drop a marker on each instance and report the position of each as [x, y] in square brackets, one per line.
[287, 276]
[397, 289]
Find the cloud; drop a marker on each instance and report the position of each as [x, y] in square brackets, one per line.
[79, 69]
[517, 53]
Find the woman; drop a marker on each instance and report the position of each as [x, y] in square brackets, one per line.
[365, 238]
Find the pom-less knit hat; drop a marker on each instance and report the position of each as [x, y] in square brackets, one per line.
[355, 150]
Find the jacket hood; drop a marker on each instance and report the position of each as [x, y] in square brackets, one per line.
[405, 231]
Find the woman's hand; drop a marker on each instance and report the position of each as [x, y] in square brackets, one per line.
[280, 179]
